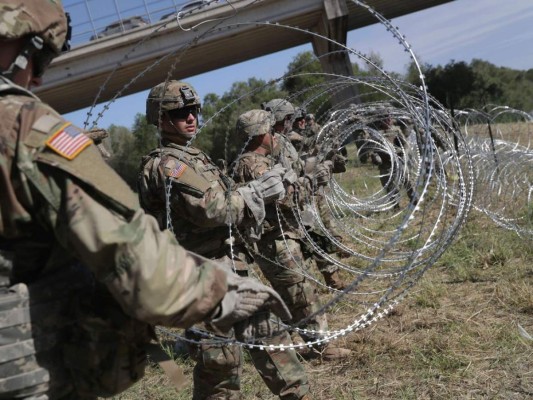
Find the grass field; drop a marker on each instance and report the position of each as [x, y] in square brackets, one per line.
[464, 332]
[457, 336]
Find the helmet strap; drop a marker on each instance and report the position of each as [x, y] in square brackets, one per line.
[33, 45]
[180, 135]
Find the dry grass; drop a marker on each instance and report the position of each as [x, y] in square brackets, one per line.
[517, 132]
[455, 337]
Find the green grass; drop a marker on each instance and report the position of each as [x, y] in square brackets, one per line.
[455, 336]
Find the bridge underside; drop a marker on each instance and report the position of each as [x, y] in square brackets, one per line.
[74, 79]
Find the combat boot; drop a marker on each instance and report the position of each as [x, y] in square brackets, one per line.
[300, 346]
[333, 280]
[331, 353]
[343, 253]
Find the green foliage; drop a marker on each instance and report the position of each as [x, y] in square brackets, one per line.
[218, 137]
[461, 85]
[307, 85]
[451, 83]
[457, 85]
[128, 147]
[305, 81]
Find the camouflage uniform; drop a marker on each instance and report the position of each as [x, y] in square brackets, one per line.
[56, 212]
[296, 139]
[202, 203]
[289, 246]
[391, 179]
[89, 271]
[308, 148]
[280, 249]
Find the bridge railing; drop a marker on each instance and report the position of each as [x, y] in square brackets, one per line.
[94, 19]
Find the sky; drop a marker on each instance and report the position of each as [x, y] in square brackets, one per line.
[496, 31]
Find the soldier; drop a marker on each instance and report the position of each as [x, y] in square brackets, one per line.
[311, 125]
[330, 272]
[86, 273]
[296, 136]
[202, 203]
[392, 145]
[280, 249]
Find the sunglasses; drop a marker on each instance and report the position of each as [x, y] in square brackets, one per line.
[183, 113]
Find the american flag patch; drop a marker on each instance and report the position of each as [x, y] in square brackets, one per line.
[68, 141]
[177, 171]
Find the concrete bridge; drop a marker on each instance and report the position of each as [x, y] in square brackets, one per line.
[75, 78]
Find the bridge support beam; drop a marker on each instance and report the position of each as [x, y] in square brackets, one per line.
[333, 58]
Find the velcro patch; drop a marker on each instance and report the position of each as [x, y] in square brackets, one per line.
[68, 141]
[177, 171]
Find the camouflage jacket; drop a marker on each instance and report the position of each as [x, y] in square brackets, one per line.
[202, 201]
[395, 137]
[62, 204]
[250, 166]
[288, 155]
[296, 138]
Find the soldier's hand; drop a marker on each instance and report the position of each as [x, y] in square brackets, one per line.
[310, 165]
[339, 164]
[290, 177]
[244, 299]
[97, 135]
[321, 175]
[259, 325]
[269, 186]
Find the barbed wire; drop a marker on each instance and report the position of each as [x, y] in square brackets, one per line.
[394, 221]
[500, 139]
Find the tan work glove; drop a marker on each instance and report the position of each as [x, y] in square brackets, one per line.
[269, 186]
[97, 135]
[321, 174]
[246, 306]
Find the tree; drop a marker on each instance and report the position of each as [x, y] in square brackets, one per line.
[306, 83]
[219, 114]
[451, 83]
[460, 85]
[376, 62]
[128, 147]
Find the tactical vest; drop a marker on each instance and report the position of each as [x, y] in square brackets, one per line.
[289, 157]
[62, 334]
[200, 176]
[271, 224]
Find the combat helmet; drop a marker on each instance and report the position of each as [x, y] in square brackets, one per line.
[280, 108]
[254, 123]
[43, 22]
[299, 113]
[170, 95]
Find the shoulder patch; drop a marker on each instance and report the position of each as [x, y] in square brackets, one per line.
[176, 171]
[185, 178]
[68, 141]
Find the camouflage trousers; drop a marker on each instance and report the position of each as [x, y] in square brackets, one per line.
[393, 184]
[320, 238]
[324, 243]
[281, 260]
[218, 368]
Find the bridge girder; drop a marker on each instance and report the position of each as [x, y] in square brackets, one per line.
[75, 78]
